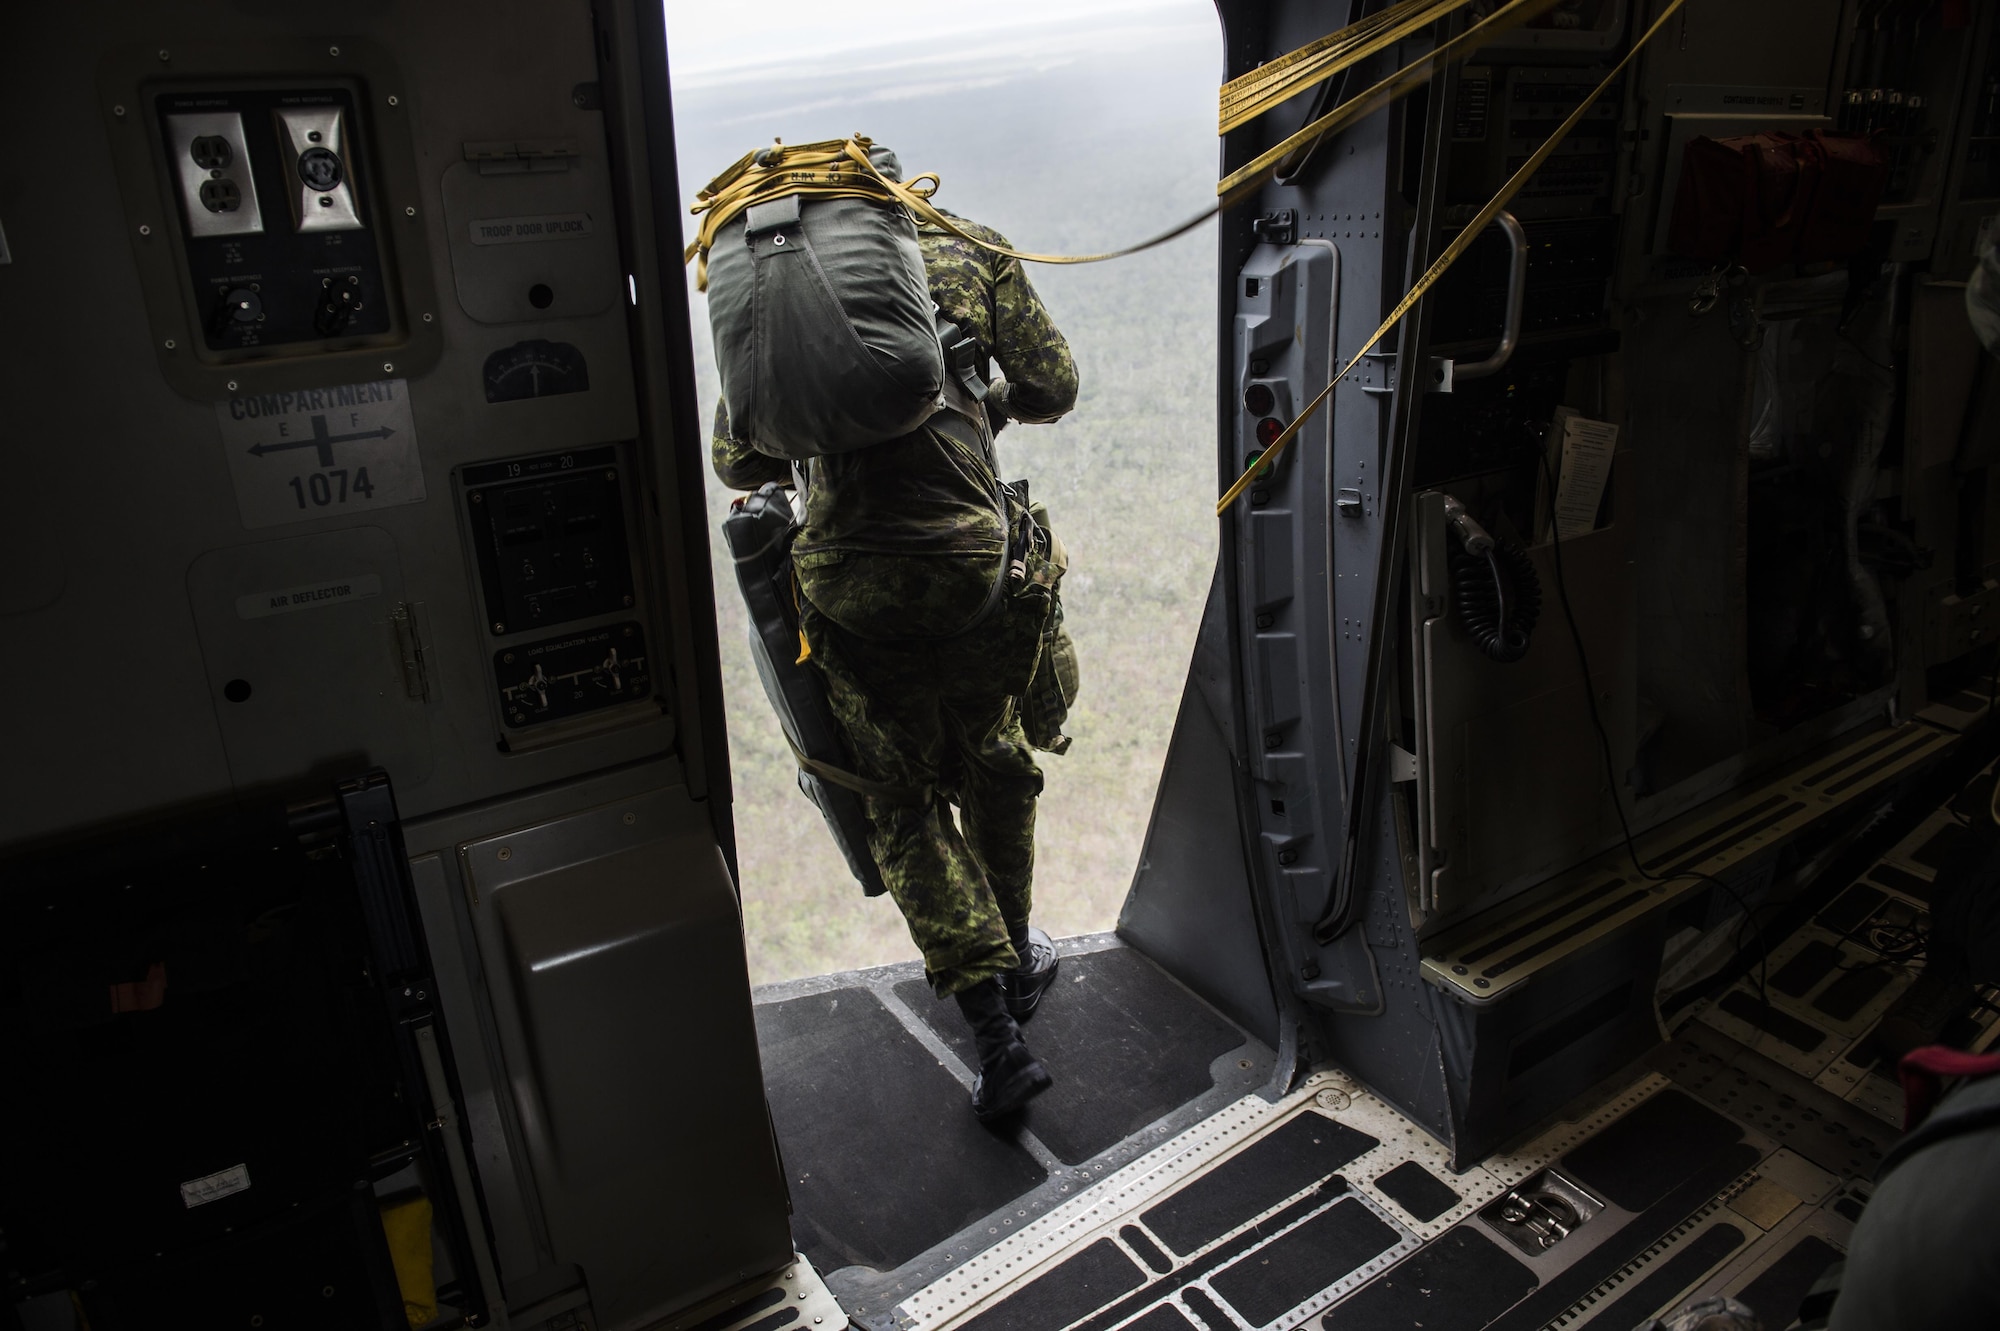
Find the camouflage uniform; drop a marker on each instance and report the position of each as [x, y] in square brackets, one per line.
[898, 551]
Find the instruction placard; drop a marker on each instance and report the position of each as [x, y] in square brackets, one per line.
[309, 596]
[1579, 453]
[321, 452]
[1587, 447]
[515, 230]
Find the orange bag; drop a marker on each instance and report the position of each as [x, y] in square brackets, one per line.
[1765, 199]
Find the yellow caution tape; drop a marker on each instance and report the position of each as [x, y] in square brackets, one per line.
[1451, 254]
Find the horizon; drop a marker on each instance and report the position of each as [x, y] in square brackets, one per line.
[704, 51]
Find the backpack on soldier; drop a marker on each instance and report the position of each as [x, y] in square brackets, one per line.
[825, 338]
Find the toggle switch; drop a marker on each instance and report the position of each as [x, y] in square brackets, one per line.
[536, 687]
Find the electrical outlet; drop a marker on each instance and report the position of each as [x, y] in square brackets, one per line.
[212, 165]
[321, 184]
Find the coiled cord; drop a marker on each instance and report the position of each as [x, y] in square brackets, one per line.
[1498, 597]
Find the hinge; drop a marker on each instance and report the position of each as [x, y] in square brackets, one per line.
[1438, 377]
[410, 651]
[499, 157]
[1402, 765]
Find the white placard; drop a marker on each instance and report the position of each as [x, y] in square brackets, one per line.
[311, 596]
[321, 452]
[1587, 447]
[213, 1187]
[515, 230]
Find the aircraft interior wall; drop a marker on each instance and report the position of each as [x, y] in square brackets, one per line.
[349, 355]
[1788, 562]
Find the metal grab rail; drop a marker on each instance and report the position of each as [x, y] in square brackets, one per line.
[1517, 290]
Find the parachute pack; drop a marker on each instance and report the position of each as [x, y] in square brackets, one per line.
[825, 336]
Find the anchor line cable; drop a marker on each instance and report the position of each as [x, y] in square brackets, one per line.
[1452, 252]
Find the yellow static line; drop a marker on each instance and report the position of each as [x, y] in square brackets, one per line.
[1458, 246]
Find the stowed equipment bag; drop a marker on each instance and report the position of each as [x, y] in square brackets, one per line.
[1765, 199]
[759, 530]
[1052, 689]
[825, 337]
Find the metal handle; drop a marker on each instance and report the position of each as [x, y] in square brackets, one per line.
[1517, 290]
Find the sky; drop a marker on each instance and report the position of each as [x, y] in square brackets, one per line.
[704, 36]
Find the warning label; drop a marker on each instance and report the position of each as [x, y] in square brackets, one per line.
[213, 1187]
[514, 230]
[262, 605]
[321, 452]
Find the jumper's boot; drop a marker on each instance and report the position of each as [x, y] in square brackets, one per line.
[1009, 1076]
[1027, 982]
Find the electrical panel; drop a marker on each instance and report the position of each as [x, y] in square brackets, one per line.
[1502, 114]
[1503, 110]
[548, 538]
[279, 250]
[272, 200]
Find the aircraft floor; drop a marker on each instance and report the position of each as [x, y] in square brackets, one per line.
[1733, 1159]
[1708, 1169]
[893, 1181]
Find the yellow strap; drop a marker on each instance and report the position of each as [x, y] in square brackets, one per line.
[1250, 177]
[1450, 256]
[805, 648]
[835, 170]
[841, 168]
[1274, 82]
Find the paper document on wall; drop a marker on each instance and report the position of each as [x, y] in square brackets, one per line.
[1587, 447]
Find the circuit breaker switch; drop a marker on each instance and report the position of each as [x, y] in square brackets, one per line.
[322, 179]
[213, 170]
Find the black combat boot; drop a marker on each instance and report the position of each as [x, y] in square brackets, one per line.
[1027, 982]
[1009, 1076]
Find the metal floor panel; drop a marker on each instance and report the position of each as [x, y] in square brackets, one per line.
[870, 1294]
[1804, 1151]
[1872, 933]
[794, 1299]
[1728, 1160]
[1486, 956]
[1728, 1237]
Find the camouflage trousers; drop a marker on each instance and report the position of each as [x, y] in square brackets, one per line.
[936, 711]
